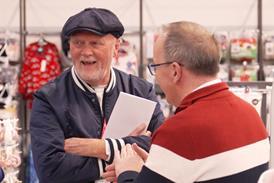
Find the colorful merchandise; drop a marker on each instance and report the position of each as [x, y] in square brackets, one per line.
[41, 64]
[127, 59]
[244, 72]
[243, 49]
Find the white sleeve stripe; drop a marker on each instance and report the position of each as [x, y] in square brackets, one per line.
[122, 142]
[111, 153]
[100, 165]
[115, 146]
[119, 147]
[107, 147]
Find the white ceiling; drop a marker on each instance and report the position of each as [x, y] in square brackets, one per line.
[51, 14]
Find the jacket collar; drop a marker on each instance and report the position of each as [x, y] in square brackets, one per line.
[201, 93]
[86, 87]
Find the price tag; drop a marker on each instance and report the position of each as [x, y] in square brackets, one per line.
[43, 66]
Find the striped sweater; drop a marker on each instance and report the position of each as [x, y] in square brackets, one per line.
[214, 137]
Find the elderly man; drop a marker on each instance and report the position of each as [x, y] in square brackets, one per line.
[70, 114]
[214, 136]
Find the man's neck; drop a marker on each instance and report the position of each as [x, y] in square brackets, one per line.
[108, 84]
[99, 83]
[192, 84]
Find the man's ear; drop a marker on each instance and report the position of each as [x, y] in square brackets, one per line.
[176, 72]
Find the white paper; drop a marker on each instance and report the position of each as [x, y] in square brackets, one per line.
[128, 112]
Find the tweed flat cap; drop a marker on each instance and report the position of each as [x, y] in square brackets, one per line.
[96, 20]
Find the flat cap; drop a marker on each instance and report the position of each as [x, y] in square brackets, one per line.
[96, 20]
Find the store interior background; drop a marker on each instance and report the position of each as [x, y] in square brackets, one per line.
[48, 17]
[51, 14]
[234, 17]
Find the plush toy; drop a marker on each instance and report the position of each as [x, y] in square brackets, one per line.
[243, 49]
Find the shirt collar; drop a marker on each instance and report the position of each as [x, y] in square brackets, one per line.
[212, 82]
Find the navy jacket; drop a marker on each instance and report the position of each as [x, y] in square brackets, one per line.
[2, 175]
[61, 109]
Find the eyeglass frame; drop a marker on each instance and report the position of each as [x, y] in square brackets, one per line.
[152, 67]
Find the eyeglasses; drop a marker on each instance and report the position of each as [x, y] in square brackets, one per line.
[152, 67]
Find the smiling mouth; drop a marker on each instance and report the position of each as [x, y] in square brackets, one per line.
[88, 62]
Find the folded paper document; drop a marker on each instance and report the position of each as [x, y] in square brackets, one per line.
[128, 112]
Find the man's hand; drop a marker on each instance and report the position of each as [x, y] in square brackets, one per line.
[128, 160]
[86, 147]
[141, 152]
[110, 174]
[140, 130]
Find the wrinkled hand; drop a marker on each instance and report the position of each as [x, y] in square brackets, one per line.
[110, 174]
[141, 152]
[86, 147]
[140, 130]
[128, 160]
